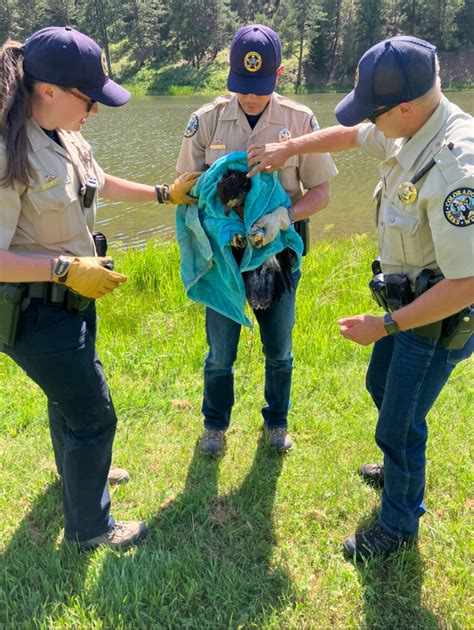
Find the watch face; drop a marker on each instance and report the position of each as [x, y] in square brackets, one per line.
[390, 326]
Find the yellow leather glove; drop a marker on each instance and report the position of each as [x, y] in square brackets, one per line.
[181, 186]
[271, 224]
[87, 275]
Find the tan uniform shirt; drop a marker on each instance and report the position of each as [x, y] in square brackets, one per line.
[437, 230]
[221, 127]
[47, 216]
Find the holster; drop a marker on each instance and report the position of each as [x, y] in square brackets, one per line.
[302, 228]
[393, 291]
[12, 299]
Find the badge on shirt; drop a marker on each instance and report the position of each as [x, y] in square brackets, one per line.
[284, 135]
[458, 207]
[192, 127]
[314, 124]
[407, 193]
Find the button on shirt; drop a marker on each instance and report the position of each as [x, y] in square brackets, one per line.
[425, 234]
[222, 128]
[46, 217]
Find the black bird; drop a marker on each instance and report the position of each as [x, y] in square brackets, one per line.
[260, 282]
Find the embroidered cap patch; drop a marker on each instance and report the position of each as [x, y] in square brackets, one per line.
[458, 207]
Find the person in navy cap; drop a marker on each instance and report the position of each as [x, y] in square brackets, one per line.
[50, 270]
[424, 277]
[254, 112]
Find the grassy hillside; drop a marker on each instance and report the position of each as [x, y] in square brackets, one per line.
[457, 72]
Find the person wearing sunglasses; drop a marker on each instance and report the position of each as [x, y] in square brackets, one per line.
[50, 273]
[424, 278]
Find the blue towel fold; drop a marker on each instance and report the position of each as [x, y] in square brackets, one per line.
[210, 274]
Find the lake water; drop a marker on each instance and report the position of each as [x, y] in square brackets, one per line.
[141, 142]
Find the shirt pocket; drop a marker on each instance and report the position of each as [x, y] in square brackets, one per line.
[401, 238]
[58, 209]
[211, 155]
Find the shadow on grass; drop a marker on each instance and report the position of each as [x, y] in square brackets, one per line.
[207, 562]
[36, 580]
[392, 589]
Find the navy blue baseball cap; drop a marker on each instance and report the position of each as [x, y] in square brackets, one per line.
[394, 71]
[68, 58]
[255, 57]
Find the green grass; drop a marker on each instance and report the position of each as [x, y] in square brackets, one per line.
[252, 540]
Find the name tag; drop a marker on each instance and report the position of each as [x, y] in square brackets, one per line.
[52, 184]
[217, 147]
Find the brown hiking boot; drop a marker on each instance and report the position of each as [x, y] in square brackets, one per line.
[373, 474]
[212, 442]
[279, 440]
[122, 536]
[117, 476]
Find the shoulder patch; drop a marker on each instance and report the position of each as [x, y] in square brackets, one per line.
[193, 124]
[314, 123]
[458, 207]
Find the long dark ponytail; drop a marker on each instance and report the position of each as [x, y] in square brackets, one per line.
[15, 107]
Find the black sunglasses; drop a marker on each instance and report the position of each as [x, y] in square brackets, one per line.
[84, 99]
[378, 112]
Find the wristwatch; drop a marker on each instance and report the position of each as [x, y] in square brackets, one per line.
[163, 193]
[60, 271]
[390, 325]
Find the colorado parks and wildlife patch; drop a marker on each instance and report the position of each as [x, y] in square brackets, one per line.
[458, 207]
[192, 127]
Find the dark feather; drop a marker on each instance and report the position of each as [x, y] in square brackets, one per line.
[260, 282]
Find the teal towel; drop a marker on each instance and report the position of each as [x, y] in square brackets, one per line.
[210, 274]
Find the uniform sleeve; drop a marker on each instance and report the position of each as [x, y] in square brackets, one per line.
[192, 156]
[451, 218]
[10, 207]
[371, 140]
[315, 168]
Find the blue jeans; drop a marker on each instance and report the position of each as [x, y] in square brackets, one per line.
[276, 327]
[56, 348]
[405, 376]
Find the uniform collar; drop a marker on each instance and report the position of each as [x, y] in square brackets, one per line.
[408, 151]
[273, 112]
[38, 139]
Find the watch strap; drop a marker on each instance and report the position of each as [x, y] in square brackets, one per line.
[390, 324]
[61, 269]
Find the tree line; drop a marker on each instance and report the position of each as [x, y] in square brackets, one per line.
[326, 36]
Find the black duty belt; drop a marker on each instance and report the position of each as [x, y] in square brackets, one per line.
[57, 294]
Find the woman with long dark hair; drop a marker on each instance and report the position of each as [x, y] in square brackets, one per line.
[50, 270]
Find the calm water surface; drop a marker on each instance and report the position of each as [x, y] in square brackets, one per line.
[141, 142]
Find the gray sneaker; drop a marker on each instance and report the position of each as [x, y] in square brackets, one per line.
[122, 536]
[117, 476]
[279, 440]
[212, 442]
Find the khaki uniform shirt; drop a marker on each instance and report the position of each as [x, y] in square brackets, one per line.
[221, 127]
[437, 230]
[47, 217]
